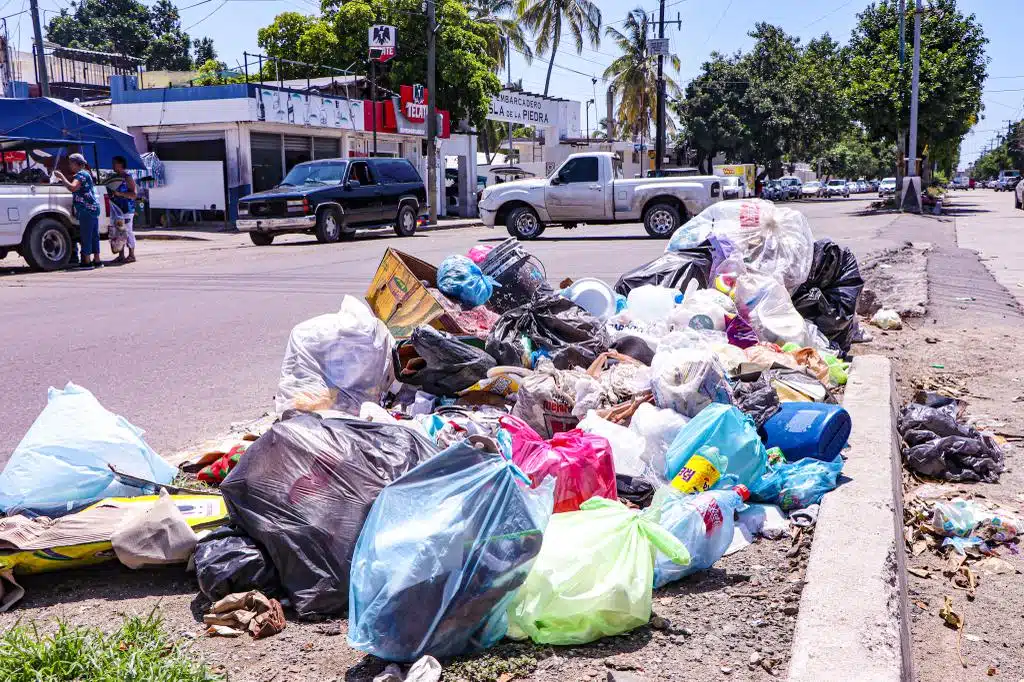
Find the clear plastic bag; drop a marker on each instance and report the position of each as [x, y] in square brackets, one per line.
[658, 427]
[63, 462]
[441, 555]
[337, 361]
[766, 306]
[687, 380]
[581, 463]
[594, 575]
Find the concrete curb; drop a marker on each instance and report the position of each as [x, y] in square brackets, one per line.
[458, 225]
[854, 621]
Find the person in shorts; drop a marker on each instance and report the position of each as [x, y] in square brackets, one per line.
[87, 209]
[124, 196]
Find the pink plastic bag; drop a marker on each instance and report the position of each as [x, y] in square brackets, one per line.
[478, 253]
[581, 463]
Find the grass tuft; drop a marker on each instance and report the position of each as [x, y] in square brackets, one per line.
[138, 651]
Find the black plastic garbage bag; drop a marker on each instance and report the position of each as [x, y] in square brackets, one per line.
[570, 335]
[673, 270]
[634, 489]
[227, 560]
[936, 444]
[828, 297]
[445, 365]
[303, 490]
[757, 398]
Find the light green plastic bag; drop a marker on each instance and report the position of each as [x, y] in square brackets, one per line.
[593, 575]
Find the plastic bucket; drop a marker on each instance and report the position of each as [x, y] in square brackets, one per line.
[593, 295]
[520, 275]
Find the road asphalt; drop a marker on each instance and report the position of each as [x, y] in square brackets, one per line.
[190, 338]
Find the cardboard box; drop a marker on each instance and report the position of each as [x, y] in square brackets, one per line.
[400, 295]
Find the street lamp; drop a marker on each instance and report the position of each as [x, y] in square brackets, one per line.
[589, 102]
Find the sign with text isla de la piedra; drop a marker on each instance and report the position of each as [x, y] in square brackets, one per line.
[414, 100]
[383, 41]
[523, 108]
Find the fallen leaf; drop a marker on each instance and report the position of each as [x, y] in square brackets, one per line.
[504, 677]
[994, 566]
[993, 671]
[923, 605]
[919, 572]
[952, 618]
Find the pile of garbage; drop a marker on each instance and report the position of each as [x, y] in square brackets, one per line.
[471, 454]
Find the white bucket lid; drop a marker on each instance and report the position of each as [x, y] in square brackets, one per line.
[593, 295]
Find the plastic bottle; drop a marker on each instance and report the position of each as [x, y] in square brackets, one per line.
[702, 471]
[704, 523]
[650, 303]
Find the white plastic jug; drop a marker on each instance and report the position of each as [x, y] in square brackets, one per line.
[650, 303]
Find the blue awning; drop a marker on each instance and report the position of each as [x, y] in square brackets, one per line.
[47, 118]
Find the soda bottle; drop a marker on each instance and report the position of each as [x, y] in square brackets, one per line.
[704, 523]
[702, 471]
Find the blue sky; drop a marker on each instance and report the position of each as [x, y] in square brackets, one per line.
[706, 25]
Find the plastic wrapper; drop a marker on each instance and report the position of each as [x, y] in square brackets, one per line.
[728, 429]
[771, 239]
[658, 427]
[228, 561]
[961, 518]
[565, 332]
[673, 270]
[829, 296]
[303, 490]
[336, 361]
[445, 365]
[62, 463]
[635, 490]
[613, 386]
[688, 380]
[461, 278]
[581, 463]
[795, 485]
[740, 333]
[756, 398]
[547, 398]
[937, 445]
[442, 553]
[594, 575]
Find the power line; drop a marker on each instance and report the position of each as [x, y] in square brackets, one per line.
[717, 24]
[826, 15]
[217, 9]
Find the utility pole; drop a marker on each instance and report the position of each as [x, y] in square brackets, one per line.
[901, 140]
[914, 89]
[659, 140]
[508, 62]
[44, 79]
[431, 112]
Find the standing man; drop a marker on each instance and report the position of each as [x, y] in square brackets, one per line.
[124, 197]
[87, 209]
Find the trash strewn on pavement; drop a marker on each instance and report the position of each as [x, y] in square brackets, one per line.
[472, 453]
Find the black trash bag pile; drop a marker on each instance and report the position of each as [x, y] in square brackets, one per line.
[303, 490]
[672, 270]
[634, 489]
[757, 398]
[828, 297]
[937, 444]
[445, 365]
[227, 561]
[570, 335]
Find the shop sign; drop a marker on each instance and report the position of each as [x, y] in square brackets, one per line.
[414, 102]
[523, 108]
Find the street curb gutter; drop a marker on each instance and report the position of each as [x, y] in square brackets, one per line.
[853, 622]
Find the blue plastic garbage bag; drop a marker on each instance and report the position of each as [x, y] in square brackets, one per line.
[462, 279]
[442, 553]
[795, 485]
[61, 465]
[732, 432]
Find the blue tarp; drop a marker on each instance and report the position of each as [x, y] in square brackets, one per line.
[48, 118]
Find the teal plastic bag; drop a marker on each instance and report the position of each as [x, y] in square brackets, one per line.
[594, 575]
[733, 433]
[799, 484]
[442, 552]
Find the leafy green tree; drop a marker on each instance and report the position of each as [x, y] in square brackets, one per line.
[856, 155]
[213, 72]
[170, 47]
[204, 51]
[502, 15]
[953, 72]
[710, 113]
[548, 18]
[634, 76]
[466, 75]
[821, 111]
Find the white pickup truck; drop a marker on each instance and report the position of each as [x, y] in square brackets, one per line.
[589, 188]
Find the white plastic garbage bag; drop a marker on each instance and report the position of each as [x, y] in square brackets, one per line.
[658, 427]
[627, 446]
[61, 465]
[774, 240]
[337, 361]
[688, 379]
[766, 306]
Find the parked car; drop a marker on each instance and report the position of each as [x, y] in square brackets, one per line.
[589, 188]
[838, 188]
[1007, 180]
[332, 197]
[859, 186]
[733, 187]
[991, 184]
[811, 190]
[771, 190]
[791, 187]
[887, 187]
[1018, 194]
[36, 217]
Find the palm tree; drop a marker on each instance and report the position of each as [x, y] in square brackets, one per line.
[547, 18]
[634, 76]
[501, 15]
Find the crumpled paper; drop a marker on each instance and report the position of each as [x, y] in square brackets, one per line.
[240, 612]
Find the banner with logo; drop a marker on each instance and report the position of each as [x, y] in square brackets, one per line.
[279, 106]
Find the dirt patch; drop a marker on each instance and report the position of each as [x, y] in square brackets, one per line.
[896, 279]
